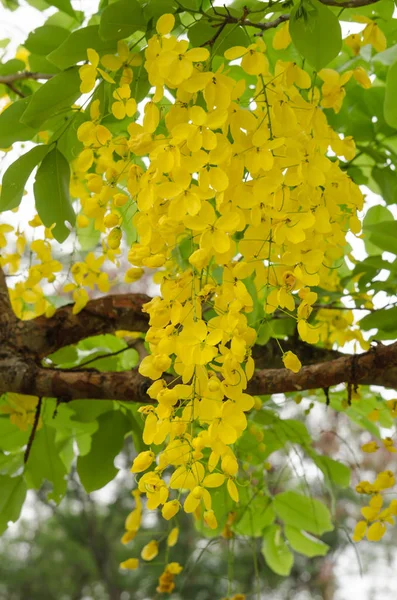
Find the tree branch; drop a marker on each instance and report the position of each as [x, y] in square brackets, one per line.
[10, 79]
[42, 336]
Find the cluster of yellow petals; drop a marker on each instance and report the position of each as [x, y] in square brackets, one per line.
[22, 410]
[375, 516]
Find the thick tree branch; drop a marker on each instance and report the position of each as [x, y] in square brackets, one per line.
[42, 336]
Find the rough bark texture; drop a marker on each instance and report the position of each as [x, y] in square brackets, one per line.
[23, 345]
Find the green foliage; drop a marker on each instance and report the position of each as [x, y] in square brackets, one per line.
[51, 190]
[276, 552]
[54, 98]
[45, 464]
[96, 468]
[45, 39]
[11, 128]
[12, 497]
[120, 19]
[303, 512]
[390, 108]
[16, 176]
[303, 543]
[74, 48]
[316, 33]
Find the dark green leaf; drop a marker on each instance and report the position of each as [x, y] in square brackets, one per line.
[276, 552]
[44, 463]
[316, 33]
[12, 497]
[74, 48]
[53, 98]
[45, 39]
[97, 468]
[51, 192]
[301, 542]
[11, 129]
[16, 176]
[120, 19]
[303, 512]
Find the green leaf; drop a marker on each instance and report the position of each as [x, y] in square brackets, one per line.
[303, 512]
[51, 192]
[11, 437]
[53, 98]
[384, 318]
[301, 542]
[390, 105]
[387, 57]
[155, 8]
[74, 48]
[12, 497]
[120, 19]
[11, 129]
[44, 463]
[97, 468]
[12, 66]
[231, 35]
[383, 235]
[63, 5]
[316, 33]
[374, 215]
[386, 179]
[16, 176]
[276, 552]
[255, 514]
[45, 39]
[336, 472]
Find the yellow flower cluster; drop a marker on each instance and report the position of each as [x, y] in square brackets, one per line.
[22, 410]
[240, 178]
[375, 517]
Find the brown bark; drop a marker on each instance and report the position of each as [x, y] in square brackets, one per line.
[23, 344]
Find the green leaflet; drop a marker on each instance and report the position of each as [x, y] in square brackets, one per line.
[383, 235]
[384, 318]
[55, 97]
[44, 463]
[120, 19]
[374, 215]
[16, 176]
[316, 33]
[51, 192]
[390, 106]
[276, 552]
[63, 5]
[74, 48]
[303, 512]
[301, 542]
[45, 39]
[97, 468]
[11, 128]
[12, 496]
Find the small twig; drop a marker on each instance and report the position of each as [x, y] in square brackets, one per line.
[7, 79]
[16, 91]
[33, 432]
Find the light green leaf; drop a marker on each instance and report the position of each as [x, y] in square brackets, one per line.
[51, 192]
[11, 438]
[11, 128]
[74, 48]
[44, 463]
[12, 497]
[374, 215]
[303, 512]
[97, 468]
[45, 39]
[276, 552]
[386, 179]
[301, 542]
[16, 176]
[55, 97]
[383, 235]
[336, 472]
[384, 318]
[390, 105]
[316, 33]
[120, 19]
[255, 514]
[12, 66]
[63, 5]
